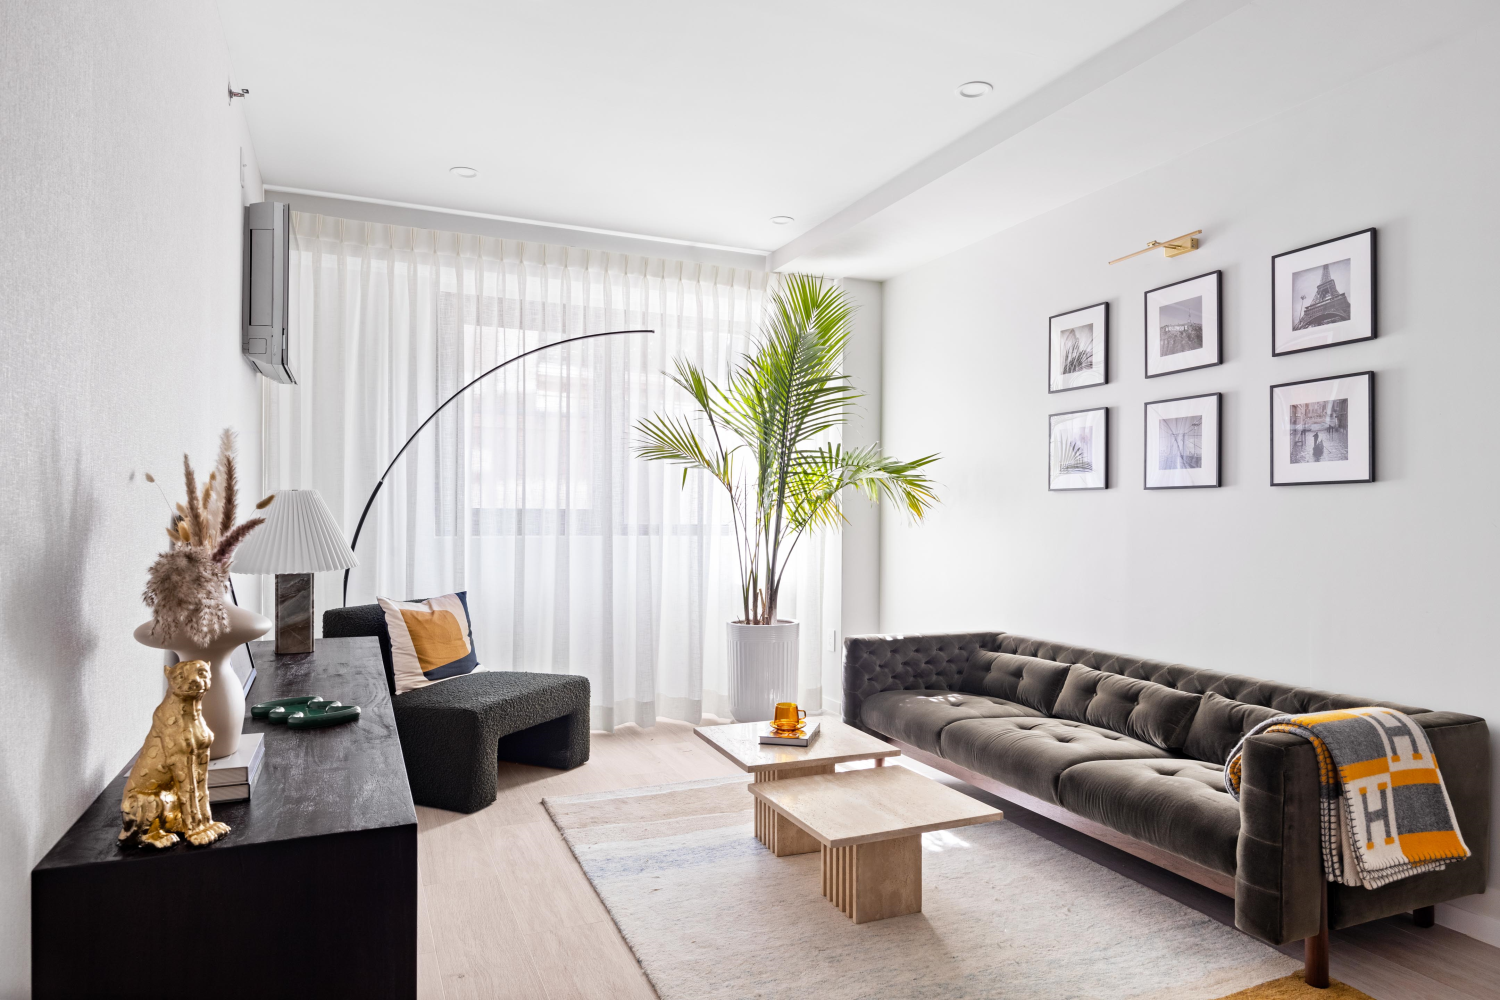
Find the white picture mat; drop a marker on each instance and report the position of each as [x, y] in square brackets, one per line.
[1357, 249]
[1096, 478]
[1208, 475]
[1356, 389]
[1096, 315]
[1206, 286]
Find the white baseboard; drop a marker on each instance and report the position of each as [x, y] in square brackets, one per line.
[1476, 925]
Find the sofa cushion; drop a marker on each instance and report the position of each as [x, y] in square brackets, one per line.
[1177, 805]
[1219, 726]
[919, 717]
[1030, 754]
[1025, 680]
[1146, 711]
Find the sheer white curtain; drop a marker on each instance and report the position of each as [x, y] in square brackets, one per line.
[577, 556]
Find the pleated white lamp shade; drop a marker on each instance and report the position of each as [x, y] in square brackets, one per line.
[299, 536]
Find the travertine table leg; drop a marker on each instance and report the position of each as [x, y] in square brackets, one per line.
[875, 881]
[774, 830]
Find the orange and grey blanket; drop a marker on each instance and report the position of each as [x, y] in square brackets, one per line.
[1385, 810]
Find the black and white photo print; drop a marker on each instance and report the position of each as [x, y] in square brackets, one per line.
[1324, 294]
[1323, 430]
[1078, 450]
[1078, 348]
[1182, 325]
[1182, 442]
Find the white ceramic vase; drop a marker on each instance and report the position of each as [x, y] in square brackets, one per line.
[224, 703]
[762, 669]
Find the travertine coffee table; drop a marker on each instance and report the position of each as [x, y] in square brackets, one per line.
[835, 744]
[869, 825]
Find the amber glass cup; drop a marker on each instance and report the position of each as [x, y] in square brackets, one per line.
[788, 717]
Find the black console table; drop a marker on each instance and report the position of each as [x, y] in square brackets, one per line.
[312, 893]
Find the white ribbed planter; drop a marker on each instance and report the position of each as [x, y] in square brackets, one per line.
[762, 669]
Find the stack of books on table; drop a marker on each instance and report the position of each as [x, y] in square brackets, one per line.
[230, 778]
[797, 738]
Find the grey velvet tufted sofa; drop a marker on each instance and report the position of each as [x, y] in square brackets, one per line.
[1132, 751]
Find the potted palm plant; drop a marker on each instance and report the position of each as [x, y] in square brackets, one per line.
[764, 436]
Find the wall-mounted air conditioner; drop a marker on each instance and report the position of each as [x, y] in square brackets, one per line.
[265, 341]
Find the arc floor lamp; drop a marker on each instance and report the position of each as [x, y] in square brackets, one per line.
[442, 406]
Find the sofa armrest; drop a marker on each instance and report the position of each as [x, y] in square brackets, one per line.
[875, 663]
[1461, 745]
[1279, 864]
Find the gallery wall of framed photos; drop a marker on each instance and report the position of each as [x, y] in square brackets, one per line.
[1327, 584]
[1322, 429]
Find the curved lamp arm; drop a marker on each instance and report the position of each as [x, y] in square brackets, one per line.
[443, 405]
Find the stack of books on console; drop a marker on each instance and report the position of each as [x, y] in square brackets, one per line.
[230, 778]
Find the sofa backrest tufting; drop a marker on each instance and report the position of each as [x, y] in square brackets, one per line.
[876, 663]
[1149, 712]
[939, 663]
[1286, 698]
[1024, 680]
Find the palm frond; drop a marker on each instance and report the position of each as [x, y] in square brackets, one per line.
[780, 403]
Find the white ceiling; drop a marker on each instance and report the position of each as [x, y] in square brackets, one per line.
[689, 119]
[1205, 71]
[696, 120]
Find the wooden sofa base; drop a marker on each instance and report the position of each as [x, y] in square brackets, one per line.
[1315, 948]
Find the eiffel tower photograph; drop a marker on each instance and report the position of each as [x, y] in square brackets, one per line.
[1321, 295]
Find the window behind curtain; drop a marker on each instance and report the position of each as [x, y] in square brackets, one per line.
[577, 556]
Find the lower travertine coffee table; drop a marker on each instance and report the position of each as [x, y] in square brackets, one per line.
[835, 744]
[869, 825]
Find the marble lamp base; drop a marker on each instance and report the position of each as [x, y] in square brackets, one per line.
[294, 613]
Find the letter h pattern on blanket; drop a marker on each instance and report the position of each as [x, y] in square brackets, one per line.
[1385, 810]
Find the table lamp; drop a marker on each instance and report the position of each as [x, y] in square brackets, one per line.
[298, 539]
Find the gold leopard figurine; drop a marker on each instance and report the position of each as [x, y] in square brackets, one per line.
[167, 791]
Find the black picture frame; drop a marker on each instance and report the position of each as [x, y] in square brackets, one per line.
[1103, 342]
[1218, 398]
[1369, 425]
[1218, 277]
[1104, 451]
[1370, 299]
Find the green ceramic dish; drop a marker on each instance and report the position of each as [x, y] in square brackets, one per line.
[308, 712]
[265, 708]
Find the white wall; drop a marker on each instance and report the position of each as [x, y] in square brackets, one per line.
[120, 204]
[1385, 589]
[860, 562]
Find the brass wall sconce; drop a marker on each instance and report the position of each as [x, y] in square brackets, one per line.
[1175, 247]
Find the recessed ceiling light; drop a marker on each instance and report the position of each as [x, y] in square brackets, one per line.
[463, 171]
[781, 220]
[975, 88]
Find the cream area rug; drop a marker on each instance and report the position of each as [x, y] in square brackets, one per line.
[710, 913]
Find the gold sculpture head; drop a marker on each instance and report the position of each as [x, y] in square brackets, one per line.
[189, 679]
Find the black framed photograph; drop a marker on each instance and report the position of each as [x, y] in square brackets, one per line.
[1183, 442]
[1078, 348]
[1323, 295]
[1078, 450]
[1183, 325]
[1323, 430]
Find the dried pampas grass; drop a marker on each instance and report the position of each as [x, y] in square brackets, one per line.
[185, 586]
[185, 592]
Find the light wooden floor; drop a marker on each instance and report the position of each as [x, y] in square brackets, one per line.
[505, 911]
